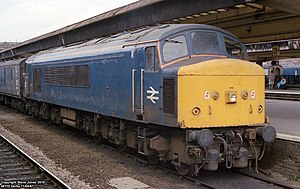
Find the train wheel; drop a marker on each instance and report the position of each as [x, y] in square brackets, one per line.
[153, 159]
[184, 169]
[98, 138]
[62, 126]
[122, 146]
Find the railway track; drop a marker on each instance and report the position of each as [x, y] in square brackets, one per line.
[265, 178]
[252, 174]
[42, 179]
[202, 182]
[282, 95]
[18, 170]
[257, 176]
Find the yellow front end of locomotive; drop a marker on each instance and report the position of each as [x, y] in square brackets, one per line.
[221, 93]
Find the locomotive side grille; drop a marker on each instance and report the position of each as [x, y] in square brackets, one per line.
[67, 75]
[169, 95]
[37, 80]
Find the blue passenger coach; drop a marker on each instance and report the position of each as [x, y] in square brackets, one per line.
[11, 80]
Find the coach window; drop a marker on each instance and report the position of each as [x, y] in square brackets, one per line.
[11, 74]
[152, 63]
[37, 80]
[175, 48]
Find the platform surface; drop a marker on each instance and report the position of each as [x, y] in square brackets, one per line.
[287, 91]
[284, 116]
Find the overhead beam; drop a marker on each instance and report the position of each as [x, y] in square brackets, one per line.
[227, 15]
[273, 29]
[254, 23]
[268, 55]
[291, 6]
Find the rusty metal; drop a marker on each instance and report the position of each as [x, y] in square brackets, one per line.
[251, 134]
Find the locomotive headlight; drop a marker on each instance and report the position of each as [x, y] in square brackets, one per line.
[231, 97]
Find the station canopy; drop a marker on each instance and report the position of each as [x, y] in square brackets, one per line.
[260, 24]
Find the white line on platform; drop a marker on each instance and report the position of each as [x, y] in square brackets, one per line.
[127, 183]
[283, 92]
[288, 137]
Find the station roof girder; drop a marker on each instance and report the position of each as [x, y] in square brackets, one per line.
[251, 22]
[291, 6]
[264, 56]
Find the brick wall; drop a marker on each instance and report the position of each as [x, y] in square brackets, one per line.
[283, 156]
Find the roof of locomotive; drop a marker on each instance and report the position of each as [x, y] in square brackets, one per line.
[115, 43]
[163, 31]
[12, 62]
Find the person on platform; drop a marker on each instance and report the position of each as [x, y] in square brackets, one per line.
[271, 79]
[281, 83]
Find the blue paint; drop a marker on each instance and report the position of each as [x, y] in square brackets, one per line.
[10, 78]
[112, 63]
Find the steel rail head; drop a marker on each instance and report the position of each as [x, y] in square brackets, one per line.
[61, 184]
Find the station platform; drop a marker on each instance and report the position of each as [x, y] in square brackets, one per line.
[282, 156]
[283, 94]
[284, 91]
[284, 115]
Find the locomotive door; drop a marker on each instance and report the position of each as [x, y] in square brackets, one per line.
[147, 82]
[137, 78]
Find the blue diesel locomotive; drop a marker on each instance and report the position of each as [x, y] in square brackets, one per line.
[183, 94]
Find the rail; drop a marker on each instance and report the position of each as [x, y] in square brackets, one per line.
[19, 170]
[263, 177]
[198, 180]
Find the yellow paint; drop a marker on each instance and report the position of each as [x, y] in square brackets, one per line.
[196, 81]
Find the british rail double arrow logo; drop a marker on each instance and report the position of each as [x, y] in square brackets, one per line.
[152, 92]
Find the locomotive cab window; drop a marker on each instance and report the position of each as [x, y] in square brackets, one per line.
[234, 48]
[152, 63]
[175, 48]
[205, 43]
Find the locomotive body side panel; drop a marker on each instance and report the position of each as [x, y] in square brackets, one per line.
[95, 84]
[148, 85]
